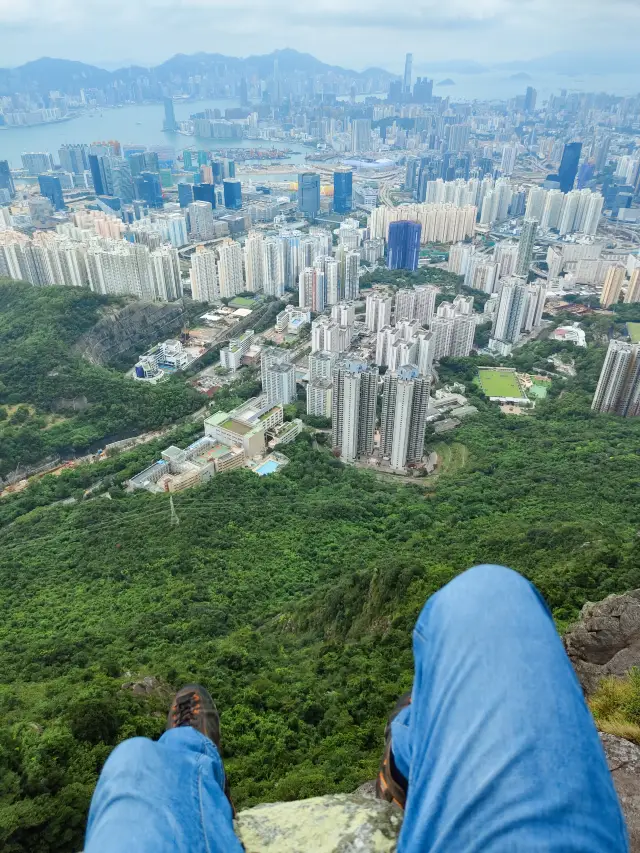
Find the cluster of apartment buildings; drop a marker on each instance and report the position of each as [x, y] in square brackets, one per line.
[103, 264]
[287, 260]
[440, 223]
[576, 211]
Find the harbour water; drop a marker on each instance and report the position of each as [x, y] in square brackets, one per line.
[139, 124]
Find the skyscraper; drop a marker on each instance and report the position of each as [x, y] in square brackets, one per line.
[230, 274]
[378, 311]
[51, 188]
[405, 307]
[185, 194]
[569, 165]
[309, 194]
[119, 181]
[280, 384]
[508, 164]
[273, 253]
[272, 356]
[73, 157]
[534, 306]
[612, 287]
[525, 247]
[254, 261]
[633, 288]
[170, 125]
[350, 285]
[232, 193]
[404, 415]
[353, 415]
[618, 387]
[201, 220]
[425, 303]
[404, 245]
[530, 100]
[6, 178]
[342, 190]
[360, 135]
[457, 137]
[509, 313]
[408, 62]
[96, 165]
[37, 162]
[204, 192]
[204, 275]
[148, 188]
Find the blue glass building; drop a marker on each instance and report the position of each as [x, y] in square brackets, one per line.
[232, 194]
[6, 178]
[185, 194]
[309, 194]
[403, 251]
[343, 190]
[149, 189]
[97, 174]
[206, 192]
[216, 168]
[51, 188]
[569, 165]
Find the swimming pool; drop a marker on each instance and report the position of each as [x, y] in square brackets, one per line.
[268, 467]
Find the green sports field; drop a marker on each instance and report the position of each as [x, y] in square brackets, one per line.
[242, 302]
[634, 332]
[500, 383]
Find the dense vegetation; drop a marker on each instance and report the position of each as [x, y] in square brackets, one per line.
[43, 382]
[291, 596]
[405, 278]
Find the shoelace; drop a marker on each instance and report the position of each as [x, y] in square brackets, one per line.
[185, 709]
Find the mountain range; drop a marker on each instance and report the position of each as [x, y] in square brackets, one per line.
[47, 74]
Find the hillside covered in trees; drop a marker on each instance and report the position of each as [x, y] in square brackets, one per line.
[292, 597]
[42, 378]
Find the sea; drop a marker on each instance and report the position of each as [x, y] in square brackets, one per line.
[138, 124]
[141, 124]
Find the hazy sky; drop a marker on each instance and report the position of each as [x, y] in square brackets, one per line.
[354, 33]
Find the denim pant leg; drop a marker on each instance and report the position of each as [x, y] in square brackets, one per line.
[164, 797]
[498, 745]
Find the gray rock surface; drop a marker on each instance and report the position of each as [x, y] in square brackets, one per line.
[606, 640]
[134, 327]
[623, 758]
[342, 823]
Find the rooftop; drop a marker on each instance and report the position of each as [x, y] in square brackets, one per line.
[234, 425]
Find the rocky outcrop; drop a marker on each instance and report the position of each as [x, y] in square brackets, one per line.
[135, 327]
[342, 823]
[623, 758]
[606, 640]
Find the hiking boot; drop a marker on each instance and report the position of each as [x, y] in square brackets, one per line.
[391, 785]
[194, 707]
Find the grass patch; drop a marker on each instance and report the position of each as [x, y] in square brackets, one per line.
[451, 457]
[634, 332]
[500, 383]
[242, 302]
[616, 706]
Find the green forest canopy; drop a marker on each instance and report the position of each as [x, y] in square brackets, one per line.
[292, 597]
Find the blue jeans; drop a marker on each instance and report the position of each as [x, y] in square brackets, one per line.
[498, 746]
